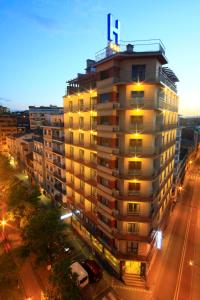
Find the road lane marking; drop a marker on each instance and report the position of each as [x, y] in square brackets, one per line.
[176, 294]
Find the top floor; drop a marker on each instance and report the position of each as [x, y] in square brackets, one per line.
[52, 109]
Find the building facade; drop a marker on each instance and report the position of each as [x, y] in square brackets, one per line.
[37, 115]
[53, 133]
[120, 134]
[8, 127]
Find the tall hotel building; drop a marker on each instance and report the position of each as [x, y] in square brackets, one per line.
[120, 121]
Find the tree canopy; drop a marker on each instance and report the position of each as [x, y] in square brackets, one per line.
[44, 235]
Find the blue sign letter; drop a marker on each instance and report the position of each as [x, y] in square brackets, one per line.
[113, 31]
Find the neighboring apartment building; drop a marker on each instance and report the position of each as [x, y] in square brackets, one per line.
[120, 135]
[8, 126]
[19, 146]
[37, 115]
[38, 162]
[53, 133]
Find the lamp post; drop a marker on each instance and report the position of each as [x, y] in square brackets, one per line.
[3, 223]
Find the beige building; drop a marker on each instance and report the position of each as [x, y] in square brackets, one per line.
[53, 133]
[120, 145]
[38, 115]
[8, 127]
[19, 146]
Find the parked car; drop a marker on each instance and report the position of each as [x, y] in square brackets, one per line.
[82, 278]
[94, 271]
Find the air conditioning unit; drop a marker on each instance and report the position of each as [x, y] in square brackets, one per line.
[115, 172]
[115, 151]
[115, 192]
[116, 128]
[116, 105]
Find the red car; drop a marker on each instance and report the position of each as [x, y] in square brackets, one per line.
[94, 271]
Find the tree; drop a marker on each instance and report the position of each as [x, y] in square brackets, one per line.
[8, 277]
[64, 280]
[23, 201]
[44, 235]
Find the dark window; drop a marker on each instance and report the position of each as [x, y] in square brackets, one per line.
[135, 165]
[104, 162]
[134, 186]
[135, 143]
[137, 94]
[104, 201]
[104, 120]
[104, 74]
[138, 72]
[104, 181]
[136, 119]
[104, 142]
[104, 97]
[132, 247]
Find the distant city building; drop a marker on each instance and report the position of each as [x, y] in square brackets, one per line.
[37, 115]
[8, 127]
[4, 110]
[19, 146]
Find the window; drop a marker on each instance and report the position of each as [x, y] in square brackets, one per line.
[70, 106]
[72, 152]
[104, 74]
[93, 102]
[104, 97]
[134, 187]
[104, 162]
[81, 154]
[93, 122]
[132, 247]
[82, 170]
[104, 142]
[81, 138]
[137, 94]
[71, 137]
[82, 199]
[81, 122]
[104, 201]
[104, 181]
[138, 72]
[133, 208]
[134, 165]
[136, 119]
[71, 121]
[133, 227]
[80, 104]
[135, 143]
[82, 185]
[93, 157]
[104, 120]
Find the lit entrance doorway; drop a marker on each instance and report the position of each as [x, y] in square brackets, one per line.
[133, 267]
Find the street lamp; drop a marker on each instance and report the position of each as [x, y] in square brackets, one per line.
[3, 223]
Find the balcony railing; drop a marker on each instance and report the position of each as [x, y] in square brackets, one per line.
[58, 138]
[58, 151]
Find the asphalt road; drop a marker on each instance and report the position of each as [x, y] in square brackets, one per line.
[176, 273]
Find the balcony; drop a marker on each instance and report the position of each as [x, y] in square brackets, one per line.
[58, 151]
[52, 124]
[59, 164]
[58, 138]
[59, 176]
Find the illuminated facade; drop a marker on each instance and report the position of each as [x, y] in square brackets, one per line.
[8, 127]
[120, 123]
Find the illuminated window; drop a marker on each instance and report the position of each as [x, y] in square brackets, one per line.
[134, 165]
[134, 187]
[133, 208]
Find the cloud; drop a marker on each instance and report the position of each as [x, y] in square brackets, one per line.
[5, 99]
[43, 22]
